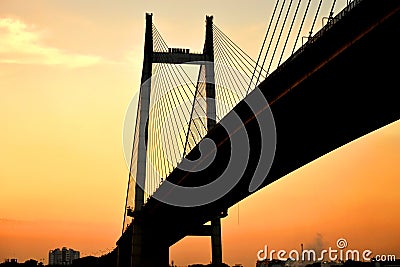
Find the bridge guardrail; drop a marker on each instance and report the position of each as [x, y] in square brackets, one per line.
[321, 32]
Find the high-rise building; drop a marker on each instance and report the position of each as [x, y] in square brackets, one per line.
[63, 256]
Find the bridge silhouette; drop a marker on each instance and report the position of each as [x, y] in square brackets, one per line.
[214, 127]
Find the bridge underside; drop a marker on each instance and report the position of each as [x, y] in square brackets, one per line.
[341, 87]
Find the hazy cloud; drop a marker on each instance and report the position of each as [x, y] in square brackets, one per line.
[317, 244]
[5, 221]
[21, 44]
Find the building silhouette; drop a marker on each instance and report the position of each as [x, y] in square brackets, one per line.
[63, 256]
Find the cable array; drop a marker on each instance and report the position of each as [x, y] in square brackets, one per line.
[177, 119]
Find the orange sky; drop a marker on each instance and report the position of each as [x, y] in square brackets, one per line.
[68, 71]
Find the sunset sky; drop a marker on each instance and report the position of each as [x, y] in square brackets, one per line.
[68, 71]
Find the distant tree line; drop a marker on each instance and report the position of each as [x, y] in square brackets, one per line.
[28, 263]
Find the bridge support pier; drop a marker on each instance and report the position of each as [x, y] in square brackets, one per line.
[155, 255]
[149, 249]
[216, 243]
[137, 246]
[214, 231]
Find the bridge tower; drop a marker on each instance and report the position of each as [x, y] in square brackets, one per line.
[143, 246]
[216, 244]
[143, 113]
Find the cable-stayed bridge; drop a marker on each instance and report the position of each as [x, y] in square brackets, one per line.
[215, 126]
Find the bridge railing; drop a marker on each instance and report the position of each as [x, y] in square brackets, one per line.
[331, 22]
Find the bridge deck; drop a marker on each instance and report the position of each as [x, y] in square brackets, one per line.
[339, 88]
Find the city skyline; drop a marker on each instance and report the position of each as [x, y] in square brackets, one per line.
[68, 72]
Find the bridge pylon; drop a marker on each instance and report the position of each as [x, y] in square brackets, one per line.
[145, 248]
[216, 243]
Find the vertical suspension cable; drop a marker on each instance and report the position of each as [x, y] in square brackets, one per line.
[301, 26]
[226, 92]
[191, 113]
[231, 77]
[155, 165]
[315, 19]
[263, 45]
[170, 140]
[161, 151]
[176, 74]
[160, 119]
[280, 34]
[154, 171]
[238, 54]
[290, 30]
[331, 13]
[199, 102]
[230, 59]
[179, 77]
[181, 69]
[168, 149]
[272, 37]
[154, 168]
[249, 62]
